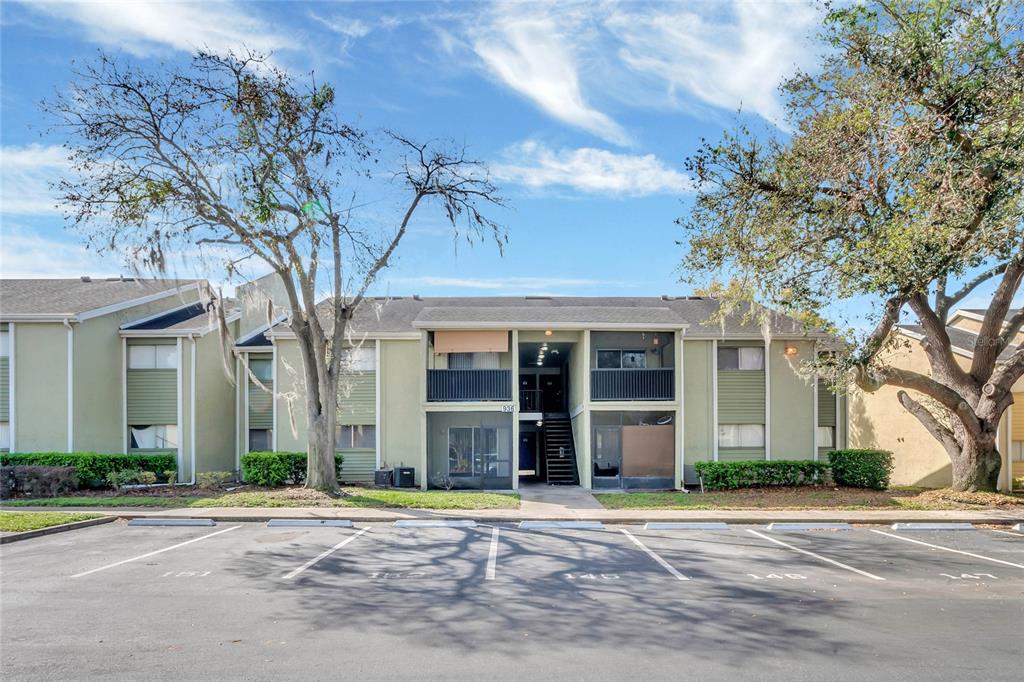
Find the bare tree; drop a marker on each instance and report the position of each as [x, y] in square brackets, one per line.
[242, 160]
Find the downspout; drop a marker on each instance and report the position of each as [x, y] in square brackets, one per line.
[71, 386]
[192, 410]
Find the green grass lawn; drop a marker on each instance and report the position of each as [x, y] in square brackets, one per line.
[819, 497]
[293, 497]
[17, 522]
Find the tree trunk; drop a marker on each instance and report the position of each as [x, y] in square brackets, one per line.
[977, 466]
[320, 471]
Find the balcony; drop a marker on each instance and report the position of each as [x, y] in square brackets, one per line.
[632, 384]
[469, 385]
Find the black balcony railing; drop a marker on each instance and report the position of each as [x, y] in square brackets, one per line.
[632, 384]
[468, 385]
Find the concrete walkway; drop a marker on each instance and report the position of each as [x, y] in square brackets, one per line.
[556, 512]
[542, 501]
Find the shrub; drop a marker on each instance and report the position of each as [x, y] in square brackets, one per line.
[757, 473]
[170, 476]
[116, 479]
[861, 468]
[146, 477]
[278, 468]
[92, 467]
[214, 479]
[37, 481]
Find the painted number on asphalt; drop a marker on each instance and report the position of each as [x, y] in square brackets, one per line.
[969, 576]
[591, 576]
[185, 574]
[778, 576]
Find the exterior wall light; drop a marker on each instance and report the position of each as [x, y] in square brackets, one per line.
[791, 351]
[547, 332]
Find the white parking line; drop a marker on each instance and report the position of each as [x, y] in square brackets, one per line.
[492, 556]
[666, 565]
[816, 556]
[324, 554]
[947, 549]
[159, 551]
[1008, 532]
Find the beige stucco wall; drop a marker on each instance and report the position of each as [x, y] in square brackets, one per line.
[791, 402]
[400, 425]
[878, 420]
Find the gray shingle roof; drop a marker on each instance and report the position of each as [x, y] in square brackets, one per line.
[74, 296]
[960, 338]
[402, 315]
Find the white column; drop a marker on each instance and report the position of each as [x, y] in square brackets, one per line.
[181, 409]
[714, 399]
[71, 387]
[273, 399]
[515, 408]
[12, 401]
[768, 399]
[124, 395]
[192, 411]
[814, 410]
[238, 414]
[378, 429]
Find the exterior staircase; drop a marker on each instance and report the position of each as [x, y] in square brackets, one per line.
[559, 451]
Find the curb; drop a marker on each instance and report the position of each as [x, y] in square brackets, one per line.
[736, 520]
[64, 527]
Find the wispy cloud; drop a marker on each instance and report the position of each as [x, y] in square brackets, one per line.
[724, 59]
[507, 284]
[24, 253]
[532, 51]
[27, 173]
[590, 170]
[147, 28]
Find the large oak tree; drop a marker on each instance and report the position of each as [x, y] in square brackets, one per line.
[902, 181]
[240, 160]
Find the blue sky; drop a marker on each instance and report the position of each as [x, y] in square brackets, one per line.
[584, 112]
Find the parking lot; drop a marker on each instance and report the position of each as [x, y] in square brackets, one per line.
[247, 601]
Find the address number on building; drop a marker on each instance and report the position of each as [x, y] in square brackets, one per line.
[507, 408]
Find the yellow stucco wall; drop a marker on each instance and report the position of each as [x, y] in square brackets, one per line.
[40, 390]
[290, 398]
[215, 416]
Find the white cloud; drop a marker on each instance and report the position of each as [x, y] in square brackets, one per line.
[725, 61]
[25, 254]
[27, 173]
[533, 53]
[595, 171]
[145, 28]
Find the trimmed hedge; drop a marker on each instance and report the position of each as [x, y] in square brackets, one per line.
[758, 473]
[861, 468]
[93, 468]
[37, 481]
[277, 468]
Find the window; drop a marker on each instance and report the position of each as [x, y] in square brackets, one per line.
[472, 450]
[262, 369]
[261, 440]
[5, 344]
[621, 359]
[359, 360]
[741, 435]
[746, 358]
[5, 436]
[152, 357]
[481, 360]
[358, 437]
[154, 437]
[826, 436]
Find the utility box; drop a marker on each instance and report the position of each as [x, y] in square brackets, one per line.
[405, 477]
[383, 477]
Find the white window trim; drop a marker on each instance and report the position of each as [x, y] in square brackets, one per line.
[376, 407]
